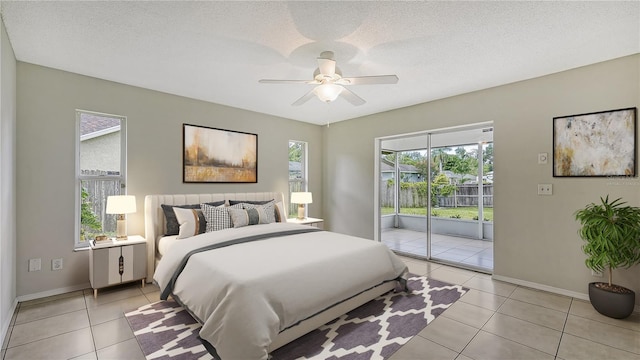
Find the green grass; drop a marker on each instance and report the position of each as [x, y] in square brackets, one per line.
[468, 213]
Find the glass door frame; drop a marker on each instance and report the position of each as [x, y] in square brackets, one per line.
[428, 134]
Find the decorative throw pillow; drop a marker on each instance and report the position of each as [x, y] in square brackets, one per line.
[189, 220]
[253, 202]
[281, 213]
[218, 216]
[173, 228]
[269, 210]
[244, 217]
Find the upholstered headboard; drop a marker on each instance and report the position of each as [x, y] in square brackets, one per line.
[154, 222]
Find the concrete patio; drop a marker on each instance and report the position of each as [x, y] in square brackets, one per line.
[468, 252]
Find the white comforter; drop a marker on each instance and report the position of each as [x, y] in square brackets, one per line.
[245, 294]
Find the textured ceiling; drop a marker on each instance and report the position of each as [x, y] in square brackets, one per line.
[217, 51]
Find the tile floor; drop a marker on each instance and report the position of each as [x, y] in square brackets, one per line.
[77, 326]
[468, 252]
[494, 320]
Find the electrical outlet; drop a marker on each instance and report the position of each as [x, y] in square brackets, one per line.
[56, 264]
[35, 264]
[545, 189]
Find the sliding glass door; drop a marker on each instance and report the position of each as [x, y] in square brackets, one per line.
[435, 196]
[461, 220]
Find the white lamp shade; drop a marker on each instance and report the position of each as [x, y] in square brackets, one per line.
[328, 92]
[121, 204]
[301, 198]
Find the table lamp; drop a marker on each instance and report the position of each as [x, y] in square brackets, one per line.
[121, 205]
[301, 198]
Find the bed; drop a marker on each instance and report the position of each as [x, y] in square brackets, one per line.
[256, 288]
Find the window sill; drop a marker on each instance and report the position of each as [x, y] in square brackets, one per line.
[82, 247]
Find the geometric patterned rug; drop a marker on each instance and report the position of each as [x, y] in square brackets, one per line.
[375, 330]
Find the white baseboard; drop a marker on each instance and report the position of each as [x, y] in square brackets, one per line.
[53, 292]
[7, 322]
[551, 289]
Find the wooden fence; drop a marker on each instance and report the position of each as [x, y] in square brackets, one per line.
[98, 191]
[464, 195]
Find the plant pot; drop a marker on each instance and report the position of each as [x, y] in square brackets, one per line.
[617, 305]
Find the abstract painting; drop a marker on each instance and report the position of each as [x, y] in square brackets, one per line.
[595, 144]
[213, 155]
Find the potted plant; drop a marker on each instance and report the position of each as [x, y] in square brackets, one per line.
[611, 231]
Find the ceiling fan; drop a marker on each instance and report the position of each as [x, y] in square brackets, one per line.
[330, 83]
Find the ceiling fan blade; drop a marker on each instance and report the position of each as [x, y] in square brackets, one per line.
[351, 97]
[368, 80]
[273, 81]
[306, 97]
[327, 66]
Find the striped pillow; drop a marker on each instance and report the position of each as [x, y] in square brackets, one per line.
[269, 210]
[245, 217]
[189, 221]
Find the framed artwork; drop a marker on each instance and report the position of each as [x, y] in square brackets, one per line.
[213, 155]
[595, 144]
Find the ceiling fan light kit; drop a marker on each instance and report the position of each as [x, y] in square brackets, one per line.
[330, 83]
[328, 92]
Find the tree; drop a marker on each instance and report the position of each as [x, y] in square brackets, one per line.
[295, 151]
[463, 163]
[439, 157]
[88, 218]
[440, 186]
[487, 157]
[416, 159]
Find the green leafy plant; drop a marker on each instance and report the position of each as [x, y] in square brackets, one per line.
[440, 186]
[88, 218]
[611, 231]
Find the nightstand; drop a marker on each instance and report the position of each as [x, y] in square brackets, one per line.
[117, 262]
[319, 223]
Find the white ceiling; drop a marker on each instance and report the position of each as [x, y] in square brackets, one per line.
[217, 51]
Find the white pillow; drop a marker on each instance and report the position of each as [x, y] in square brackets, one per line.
[189, 222]
[282, 212]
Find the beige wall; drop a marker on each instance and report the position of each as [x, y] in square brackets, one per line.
[535, 236]
[46, 104]
[7, 181]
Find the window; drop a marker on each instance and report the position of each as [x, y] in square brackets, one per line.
[100, 172]
[297, 171]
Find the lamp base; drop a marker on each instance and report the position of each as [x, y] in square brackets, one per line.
[121, 228]
[301, 212]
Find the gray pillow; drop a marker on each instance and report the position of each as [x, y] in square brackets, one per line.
[254, 202]
[245, 217]
[247, 204]
[173, 228]
[269, 210]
